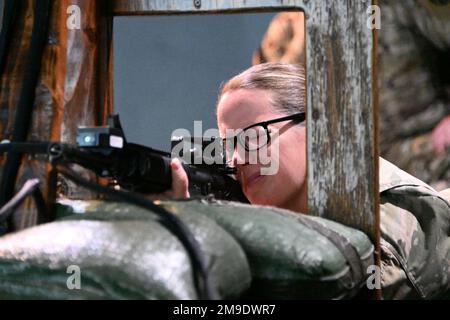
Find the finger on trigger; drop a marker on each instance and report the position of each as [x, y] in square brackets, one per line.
[179, 180]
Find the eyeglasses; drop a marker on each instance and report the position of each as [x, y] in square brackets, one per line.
[257, 135]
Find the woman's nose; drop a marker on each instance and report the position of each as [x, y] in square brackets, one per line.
[238, 157]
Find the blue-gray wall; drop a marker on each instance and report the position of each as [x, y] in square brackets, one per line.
[167, 69]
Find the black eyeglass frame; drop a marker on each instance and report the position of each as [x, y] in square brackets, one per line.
[298, 117]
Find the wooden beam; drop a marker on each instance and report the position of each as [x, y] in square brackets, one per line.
[342, 145]
[164, 7]
[10, 88]
[74, 88]
[342, 103]
[342, 152]
[88, 79]
[343, 117]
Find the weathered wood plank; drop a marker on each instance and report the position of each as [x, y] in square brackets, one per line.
[87, 91]
[10, 88]
[87, 82]
[147, 7]
[74, 87]
[342, 174]
[11, 81]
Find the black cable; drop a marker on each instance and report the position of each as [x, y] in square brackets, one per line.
[25, 147]
[22, 122]
[41, 206]
[9, 16]
[30, 187]
[202, 281]
[201, 277]
[23, 111]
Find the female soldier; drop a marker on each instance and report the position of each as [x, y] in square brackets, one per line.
[269, 99]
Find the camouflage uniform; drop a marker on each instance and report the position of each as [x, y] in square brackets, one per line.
[415, 236]
[414, 55]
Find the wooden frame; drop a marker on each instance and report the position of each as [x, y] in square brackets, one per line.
[341, 91]
[74, 88]
[341, 104]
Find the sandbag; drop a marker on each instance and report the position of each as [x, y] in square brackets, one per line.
[122, 252]
[291, 256]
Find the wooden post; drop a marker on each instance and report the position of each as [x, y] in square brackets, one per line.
[74, 87]
[343, 116]
[342, 145]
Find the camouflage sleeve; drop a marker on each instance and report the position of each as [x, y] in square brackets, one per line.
[430, 18]
[415, 244]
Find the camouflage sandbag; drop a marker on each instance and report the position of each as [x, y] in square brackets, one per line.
[122, 252]
[292, 256]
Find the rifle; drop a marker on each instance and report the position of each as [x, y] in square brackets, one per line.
[105, 151]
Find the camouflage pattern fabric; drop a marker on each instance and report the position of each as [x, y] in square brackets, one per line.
[415, 231]
[414, 56]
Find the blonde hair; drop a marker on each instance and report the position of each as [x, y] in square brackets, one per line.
[286, 82]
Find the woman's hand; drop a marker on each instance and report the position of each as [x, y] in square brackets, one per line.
[180, 184]
[441, 136]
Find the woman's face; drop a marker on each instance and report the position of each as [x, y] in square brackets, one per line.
[286, 188]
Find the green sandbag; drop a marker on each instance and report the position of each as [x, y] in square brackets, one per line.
[122, 252]
[288, 259]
